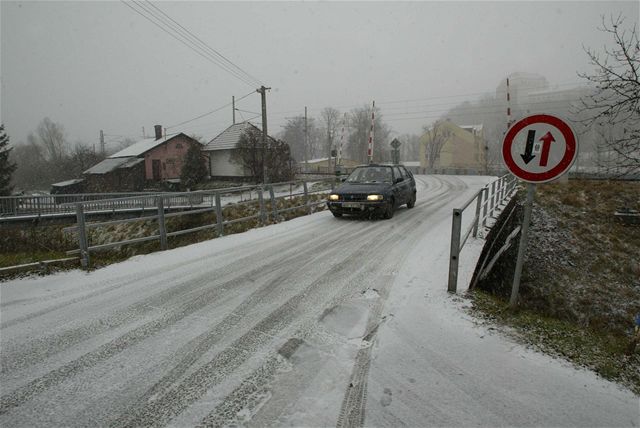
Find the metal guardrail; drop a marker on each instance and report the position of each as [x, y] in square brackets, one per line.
[488, 199]
[48, 205]
[40, 205]
[209, 201]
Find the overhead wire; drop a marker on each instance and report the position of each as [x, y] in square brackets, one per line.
[207, 46]
[210, 112]
[169, 28]
[186, 40]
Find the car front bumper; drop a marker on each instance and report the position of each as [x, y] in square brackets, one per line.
[355, 208]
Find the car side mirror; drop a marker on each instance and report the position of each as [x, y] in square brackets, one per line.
[399, 179]
[343, 179]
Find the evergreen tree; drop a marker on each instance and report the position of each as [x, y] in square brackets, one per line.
[6, 166]
[194, 167]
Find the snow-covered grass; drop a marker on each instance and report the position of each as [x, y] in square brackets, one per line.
[580, 289]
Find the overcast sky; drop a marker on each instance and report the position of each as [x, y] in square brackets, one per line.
[101, 65]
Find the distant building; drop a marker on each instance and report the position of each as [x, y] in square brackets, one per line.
[221, 149]
[68, 187]
[464, 149]
[520, 85]
[149, 161]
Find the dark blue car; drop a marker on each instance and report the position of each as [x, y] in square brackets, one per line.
[374, 189]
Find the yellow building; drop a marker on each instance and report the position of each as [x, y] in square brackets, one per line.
[447, 146]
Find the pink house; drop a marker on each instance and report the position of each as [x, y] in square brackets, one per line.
[151, 160]
[163, 155]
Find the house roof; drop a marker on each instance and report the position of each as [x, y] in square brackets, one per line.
[228, 139]
[110, 164]
[143, 146]
[476, 128]
[68, 182]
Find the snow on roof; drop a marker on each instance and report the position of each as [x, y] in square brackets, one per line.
[476, 128]
[110, 164]
[318, 160]
[228, 139]
[142, 146]
[68, 182]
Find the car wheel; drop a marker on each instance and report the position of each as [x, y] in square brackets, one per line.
[412, 201]
[389, 209]
[336, 214]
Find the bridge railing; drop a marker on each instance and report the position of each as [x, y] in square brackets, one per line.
[40, 205]
[268, 203]
[488, 200]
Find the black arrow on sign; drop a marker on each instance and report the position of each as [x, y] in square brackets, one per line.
[527, 156]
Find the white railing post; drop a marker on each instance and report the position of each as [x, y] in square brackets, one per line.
[162, 228]
[274, 208]
[306, 197]
[456, 225]
[219, 219]
[82, 237]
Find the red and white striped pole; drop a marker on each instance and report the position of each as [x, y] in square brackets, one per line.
[370, 149]
[508, 106]
[339, 160]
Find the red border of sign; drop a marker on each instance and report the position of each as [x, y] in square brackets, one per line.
[555, 172]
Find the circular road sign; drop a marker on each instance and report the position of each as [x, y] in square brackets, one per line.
[539, 148]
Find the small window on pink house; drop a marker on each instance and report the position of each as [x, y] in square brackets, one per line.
[178, 145]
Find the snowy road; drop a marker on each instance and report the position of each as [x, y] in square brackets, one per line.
[313, 322]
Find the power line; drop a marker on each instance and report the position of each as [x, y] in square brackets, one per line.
[413, 100]
[172, 31]
[250, 112]
[206, 45]
[179, 35]
[210, 112]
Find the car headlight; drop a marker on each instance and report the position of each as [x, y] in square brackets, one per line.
[374, 197]
[334, 197]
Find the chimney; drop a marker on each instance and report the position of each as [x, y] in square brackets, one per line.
[158, 129]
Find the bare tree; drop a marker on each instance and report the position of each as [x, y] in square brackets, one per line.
[278, 160]
[359, 127]
[410, 148]
[615, 103]
[436, 136]
[50, 136]
[80, 158]
[330, 118]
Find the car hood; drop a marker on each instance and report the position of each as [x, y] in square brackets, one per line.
[363, 188]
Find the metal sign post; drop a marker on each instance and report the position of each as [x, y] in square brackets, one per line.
[524, 241]
[536, 149]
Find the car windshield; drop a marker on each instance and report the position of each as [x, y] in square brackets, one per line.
[370, 175]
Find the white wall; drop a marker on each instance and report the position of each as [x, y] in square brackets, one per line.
[221, 165]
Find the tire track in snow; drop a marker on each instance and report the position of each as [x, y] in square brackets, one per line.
[354, 402]
[375, 267]
[185, 308]
[108, 350]
[26, 354]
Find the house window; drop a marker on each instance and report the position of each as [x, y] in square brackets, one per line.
[178, 145]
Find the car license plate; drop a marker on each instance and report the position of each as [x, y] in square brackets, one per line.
[350, 205]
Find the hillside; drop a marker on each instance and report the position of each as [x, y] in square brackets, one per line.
[580, 287]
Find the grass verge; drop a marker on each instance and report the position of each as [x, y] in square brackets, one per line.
[603, 353]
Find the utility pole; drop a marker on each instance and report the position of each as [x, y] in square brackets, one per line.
[306, 141]
[263, 93]
[102, 149]
[233, 107]
[370, 147]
